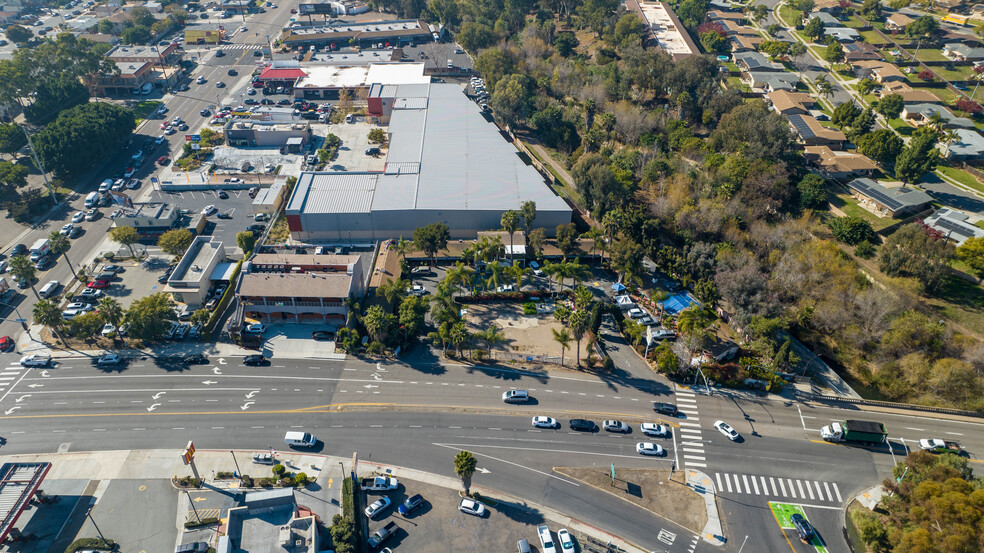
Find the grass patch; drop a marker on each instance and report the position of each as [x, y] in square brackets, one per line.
[900, 125]
[788, 14]
[849, 205]
[854, 22]
[961, 176]
[143, 109]
[961, 302]
[963, 73]
[873, 38]
[736, 84]
[931, 54]
[280, 232]
[946, 95]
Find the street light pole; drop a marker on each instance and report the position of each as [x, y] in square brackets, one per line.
[234, 460]
[96, 526]
[20, 319]
[192, 503]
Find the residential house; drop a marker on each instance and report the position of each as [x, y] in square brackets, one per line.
[827, 5]
[953, 225]
[100, 37]
[968, 145]
[909, 95]
[769, 81]
[8, 17]
[857, 51]
[718, 15]
[788, 103]
[920, 114]
[879, 71]
[827, 19]
[950, 5]
[755, 61]
[116, 21]
[897, 21]
[843, 34]
[744, 43]
[812, 133]
[732, 27]
[132, 76]
[958, 51]
[840, 166]
[888, 202]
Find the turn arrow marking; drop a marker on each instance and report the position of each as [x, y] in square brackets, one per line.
[370, 386]
[45, 374]
[216, 370]
[246, 405]
[208, 382]
[221, 361]
[158, 395]
[483, 471]
[20, 399]
[11, 410]
[154, 406]
[251, 394]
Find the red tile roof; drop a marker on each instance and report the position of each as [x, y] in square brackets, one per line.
[281, 74]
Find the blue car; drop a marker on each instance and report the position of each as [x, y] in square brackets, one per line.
[411, 504]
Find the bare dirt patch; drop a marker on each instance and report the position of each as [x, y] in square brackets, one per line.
[651, 489]
[525, 334]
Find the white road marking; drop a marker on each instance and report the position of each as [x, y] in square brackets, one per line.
[718, 476]
[792, 490]
[755, 486]
[820, 491]
[453, 446]
[694, 457]
[954, 433]
[693, 464]
[916, 429]
[783, 488]
[837, 491]
[744, 479]
[692, 449]
[765, 488]
[737, 484]
[698, 444]
[827, 487]
[690, 424]
[773, 482]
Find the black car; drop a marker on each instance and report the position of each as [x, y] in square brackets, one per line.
[167, 274]
[224, 216]
[19, 249]
[220, 84]
[250, 102]
[223, 195]
[256, 229]
[257, 53]
[255, 360]
[195, 359]
[204, 112]
[665, 408]
[803, 527]
[323, 335]
[267, 102]
[283, 102]
[582, 424]
[44, 263]
[232, 72]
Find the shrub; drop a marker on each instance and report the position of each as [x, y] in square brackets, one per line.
[278, 470]
[108, 256]
[864, 250]
[91, 543]
[224, 474]
[529, 308]
[607, 363]
[300, 479]
[247, 481]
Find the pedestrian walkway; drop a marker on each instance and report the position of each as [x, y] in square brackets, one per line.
[786, 488]
[690, 434]
[9, 375]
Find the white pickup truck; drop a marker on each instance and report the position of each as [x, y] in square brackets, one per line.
[379, 484]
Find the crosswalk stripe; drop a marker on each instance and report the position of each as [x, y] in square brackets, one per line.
[698, 444]
[820, 491]
[697, 457]
[718, 476]
[744, 479]
[765, 488]
[783, 488]
[7, 378]
[686, 400]
[727, 483]
[792, 491]
[827, 487]
[838, 492]
[691, 424]
[756, 486]
[693, 464]
[809, 490]
[773, 482]
[799, 485]
[737, 484]
[693, 449]
[691, 430]
[687, 394]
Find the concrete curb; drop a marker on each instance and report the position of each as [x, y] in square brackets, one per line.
[702, 484]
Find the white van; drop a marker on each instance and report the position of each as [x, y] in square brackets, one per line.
[106, 185]
[49, 289]
[536, 268]
[92, 200]
[300, 439]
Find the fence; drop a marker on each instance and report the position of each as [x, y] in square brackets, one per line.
[889, 404]
[483, 355]
[977, 173]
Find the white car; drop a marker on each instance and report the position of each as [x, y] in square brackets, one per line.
[109, 359]
[255, 328]
[653, 429]
[129, 172]
[506, 288]
[566, 541]
[4, 266]
[91, 215]
[118, 185]
[727, 430]
[649, 448]
[417, 290]
[78, 217]
[133, 184]
[377, 507]
[636, 313]
[617, 426]
[108, 329]
[67, 229]
[35, 360]
[471, 507]
[209, 209]
[160, 138]
[545, 422]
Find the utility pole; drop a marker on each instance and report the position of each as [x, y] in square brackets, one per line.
[37, 161]
[234, 460]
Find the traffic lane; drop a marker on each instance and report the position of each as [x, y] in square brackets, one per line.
[950, 195]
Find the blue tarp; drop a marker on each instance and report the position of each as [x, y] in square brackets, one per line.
[618, 287]
[678, 302]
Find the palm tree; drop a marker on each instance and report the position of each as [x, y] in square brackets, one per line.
[578, 322]
[464, 466]
[583, 298]
[948, 137]
[443, 333]
[578, 272]
[551, 270]
[510, 224]
[496, 273]
[936, 121]
[492, 336]
[693, 322]
[22, 268]
[47, 313]
[60, 244]
[517, 272]
[563, 338]
[659, 297]
[393, 291]
[110, 311]
[824, 88]
[459, 276]
[459, 336]
[354, 309]
[443, 308]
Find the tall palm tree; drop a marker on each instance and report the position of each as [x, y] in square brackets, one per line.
[659, 297]
[394, 291]
[459, 336]
[47, 313]
[510, 224]
[496, 273]
[552, 270]
[60, 244]
[464, 466]
[22, 268]
[948, 137]
[443, 333]
[492, 336]
[354, 307]
[578, 322]
[443, 308]
[517, 272]
[110, 311]
[459, 277]
[563, 338]
[578, 272]
[936, 121]
[583, 298]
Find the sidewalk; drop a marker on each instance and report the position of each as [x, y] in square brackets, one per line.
[164, 464]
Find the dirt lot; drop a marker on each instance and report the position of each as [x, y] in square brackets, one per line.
[525, 334]
[439, 526]
[650, 489]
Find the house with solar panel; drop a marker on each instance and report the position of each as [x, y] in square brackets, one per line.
[888, 202]
[953, 225]
[812, 133]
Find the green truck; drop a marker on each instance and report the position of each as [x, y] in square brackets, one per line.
[853, 431]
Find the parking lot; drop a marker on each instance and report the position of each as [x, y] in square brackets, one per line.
[438, 525]
[238, 206]
[352, 153]
[437, 54]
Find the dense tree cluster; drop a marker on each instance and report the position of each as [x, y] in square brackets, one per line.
[81, 136]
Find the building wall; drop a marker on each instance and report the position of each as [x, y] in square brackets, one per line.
[192, 36]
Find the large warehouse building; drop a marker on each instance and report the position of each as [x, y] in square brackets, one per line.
[445, 163]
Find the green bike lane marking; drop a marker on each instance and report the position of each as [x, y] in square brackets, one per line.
[784, 513]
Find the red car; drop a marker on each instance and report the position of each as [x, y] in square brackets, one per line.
[164, 125]
[6, 344]
[98, 284]
[292, 10]
[162, 160]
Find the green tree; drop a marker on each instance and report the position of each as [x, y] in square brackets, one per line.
[176, 241]
[411, 316]
[666, 360]
[628, 30]
[971, 252]
[844, 114]
[912, 252]
[871, 10]
[343, 534]
[431, 238]
[18, 35]
[200, 317]
[377, 136]
[22, 268]
[446, 11]
[517, 272]
[851, 229]
[812, 192]
[475, 36]
[137, 34]
[712, 41]
[881, 145]
[148, 318]
[627, 257]
[141, 16]
[512, 98]
[12, 177]
[814, 29]
[492, 336]
[535, 242]
[86, 326]
[110, 311]
[594, 13]
[47, 313]
[54, 95]
[692, 12]
[566, 43]
[867, 86]
[562, 337]
[578, 323]
[510, 223]
[105, 26]
[81, 136]
[379, 323]
[891, 105]
[834, 52]
[127, 236]
[12, 138]
[924, 26]
[59, 244]
[246, 241]
[693, 323]
[496, 273]
[917, 158]
[464, 466]
[528, 210]
[567, 239]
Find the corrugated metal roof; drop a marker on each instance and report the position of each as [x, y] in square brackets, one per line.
[333, 193]
[401, 167]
